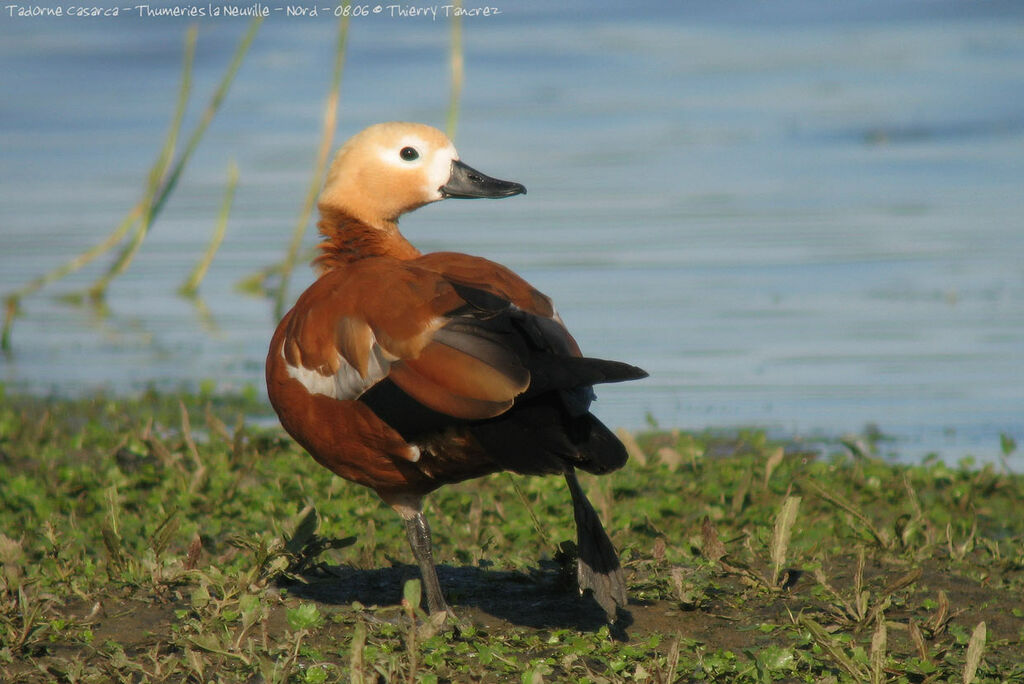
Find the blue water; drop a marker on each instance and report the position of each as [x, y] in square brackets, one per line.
[802, 215]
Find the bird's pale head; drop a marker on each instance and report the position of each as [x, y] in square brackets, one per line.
[393, 168]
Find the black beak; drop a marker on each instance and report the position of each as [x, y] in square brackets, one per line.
[468, 183]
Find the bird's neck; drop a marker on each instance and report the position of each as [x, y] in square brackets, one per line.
[349, 239]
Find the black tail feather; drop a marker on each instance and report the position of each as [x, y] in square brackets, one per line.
[600, 451]
[568, 372]
[598, 566]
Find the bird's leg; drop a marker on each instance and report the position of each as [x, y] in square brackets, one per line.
[418, 531]
[598, 567]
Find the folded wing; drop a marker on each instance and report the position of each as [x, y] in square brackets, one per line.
[462, 337]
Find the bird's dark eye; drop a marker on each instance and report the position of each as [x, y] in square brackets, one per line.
[409, 154]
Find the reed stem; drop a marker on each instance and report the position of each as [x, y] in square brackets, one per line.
[157, 199]
[323, 151]
[12, 302]
[191, 284]
[458, 71]
[156, 172]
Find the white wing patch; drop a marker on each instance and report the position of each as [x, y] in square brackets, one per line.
[347, 383]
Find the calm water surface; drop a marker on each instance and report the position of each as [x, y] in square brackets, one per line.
[800, 216]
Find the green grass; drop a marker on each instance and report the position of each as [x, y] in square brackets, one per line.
[179, 538]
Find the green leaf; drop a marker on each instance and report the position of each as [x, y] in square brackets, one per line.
[411, 593]
[776, 658]
[306, 616]
[315, 675]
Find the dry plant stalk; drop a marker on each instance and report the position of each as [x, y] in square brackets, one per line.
[878, 648]
[975, 649]
[831, 645]
[959, 551]
[411, 595]
[940, 620]
[780, 537]
[880, 536]
[357, 667]
[918, 640]
[773, 462]
[712, 546]
[199, 475]
[672, 660]
[636, 454]
[739, 496]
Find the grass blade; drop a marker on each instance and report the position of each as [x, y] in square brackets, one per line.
[880, 536]
[529, 508]
[832, 647]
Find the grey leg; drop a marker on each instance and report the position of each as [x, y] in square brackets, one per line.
[418, 532]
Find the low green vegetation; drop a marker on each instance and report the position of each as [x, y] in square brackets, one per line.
[186, 538]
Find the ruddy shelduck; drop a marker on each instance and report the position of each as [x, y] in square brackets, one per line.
[404, 371]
